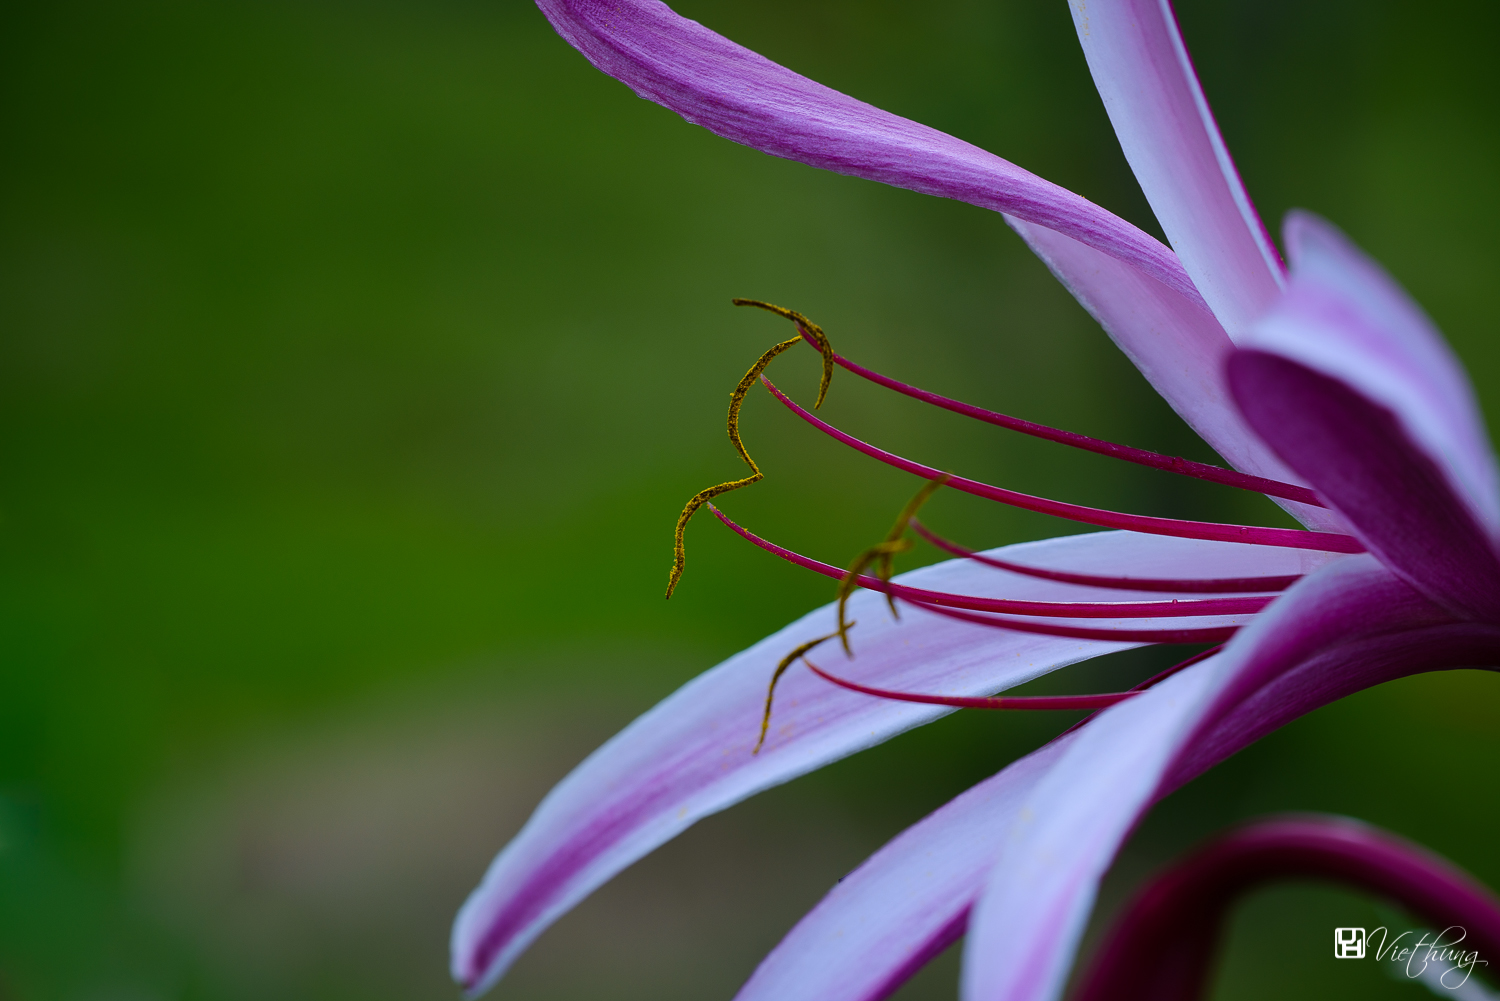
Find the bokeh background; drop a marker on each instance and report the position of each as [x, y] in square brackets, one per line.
[356, 358]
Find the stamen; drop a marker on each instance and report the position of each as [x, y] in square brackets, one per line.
[1029, 702]
[1140, 456]
[1196, 658]
[1206, 634]
[1157, 679]
[786, 662]
[884, 551]
[1282, 537]
[1176, 608]
[1208, 585]
[1033, 702]
[809, 331]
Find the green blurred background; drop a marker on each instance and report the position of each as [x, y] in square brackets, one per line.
[355, 359]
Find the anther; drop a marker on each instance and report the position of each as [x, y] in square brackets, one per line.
[786, 662]
[807, 330]
[883, 553]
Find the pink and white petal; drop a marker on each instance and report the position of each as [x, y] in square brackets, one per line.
[1146, 79]
[740, 95]
[691, 755]
[1178, 346]
[1025, 928]
[1345, 317]
[911, 899]
[905, 904]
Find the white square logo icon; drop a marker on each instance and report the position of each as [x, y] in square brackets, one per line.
[1349, 943]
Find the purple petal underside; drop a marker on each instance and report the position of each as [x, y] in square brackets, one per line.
[691, 755]
[1164, 125]
[1178, 346]
[1345, 628]
[1353, 387]
[740, 95]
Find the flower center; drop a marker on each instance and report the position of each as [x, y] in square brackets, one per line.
[1014, 614]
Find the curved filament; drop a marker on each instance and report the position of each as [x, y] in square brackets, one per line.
[1208, 585]
[1016, 606]
[1203, 634]
[1139, 456]
[1285, 538]
[1156, 679]
[964, 702]
[1032, 702]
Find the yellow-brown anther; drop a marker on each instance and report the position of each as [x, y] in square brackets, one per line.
[808, 329]
[786, 662]
[883, 552]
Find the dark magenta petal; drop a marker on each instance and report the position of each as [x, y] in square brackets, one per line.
[1360, 457]
[743, 96]
[1355, 389]
[1345, 317]
[1162, 945]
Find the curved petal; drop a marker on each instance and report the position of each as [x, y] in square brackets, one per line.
[691, 755]
[1351, 384]
[1350, 625]
[740, 95]
[1163, 943]
[905, 904]
[1144, 75]
[1177, 345]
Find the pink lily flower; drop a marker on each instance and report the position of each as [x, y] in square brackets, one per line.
[1328, 390]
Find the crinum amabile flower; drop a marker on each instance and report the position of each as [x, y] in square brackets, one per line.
[1327, 389]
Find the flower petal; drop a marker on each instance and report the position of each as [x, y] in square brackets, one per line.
[1178, 346]
[905, 904]
[1348, 626]
[740, 95]
[1144, 75]
[691, 755]
[1356, 390]
[1163, 943]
